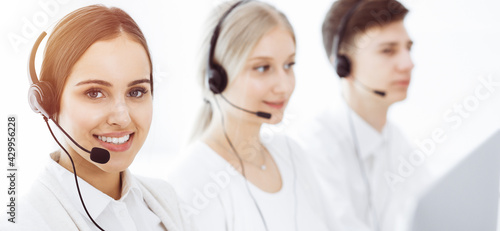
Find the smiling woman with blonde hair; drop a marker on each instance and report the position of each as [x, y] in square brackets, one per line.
[231, 178]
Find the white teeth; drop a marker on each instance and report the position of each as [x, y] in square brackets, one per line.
[115, 140]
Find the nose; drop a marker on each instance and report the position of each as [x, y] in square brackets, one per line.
[119, 114]
[405, 62]
[285, 83]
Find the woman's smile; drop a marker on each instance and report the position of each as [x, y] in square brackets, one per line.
[117, 141]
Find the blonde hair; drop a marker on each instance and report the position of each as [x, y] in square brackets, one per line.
[240, 31]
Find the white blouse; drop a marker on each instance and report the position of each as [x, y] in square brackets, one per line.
[214, 195]
[130, 212]
[53, 203]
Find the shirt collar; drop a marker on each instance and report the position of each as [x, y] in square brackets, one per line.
[369, 139]
[130, 186]
[95, 200]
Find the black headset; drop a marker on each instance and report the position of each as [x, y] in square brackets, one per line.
[41, 95]
[342, 62]
[216, 75]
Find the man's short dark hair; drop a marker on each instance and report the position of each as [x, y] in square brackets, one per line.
[369, 14]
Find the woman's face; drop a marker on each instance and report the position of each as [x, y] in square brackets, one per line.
[106, 102]
[267, 80]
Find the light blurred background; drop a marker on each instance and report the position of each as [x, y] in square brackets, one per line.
[456, 43]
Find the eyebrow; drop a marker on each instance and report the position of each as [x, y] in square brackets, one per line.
[94, 81]
[391, 44]
[107, 84]
[260, 57]
[139, 81]
[268, 57]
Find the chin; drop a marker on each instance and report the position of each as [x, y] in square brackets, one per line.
[276, 118]
[116, 164]
[400, 96]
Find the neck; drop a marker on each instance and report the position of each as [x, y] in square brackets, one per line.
[244, 135]
[370, 107]
[108, 183]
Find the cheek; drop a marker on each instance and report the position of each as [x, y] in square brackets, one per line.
[79, 118]
[257, 89]
[246, 89]
[142, 114]
[374, 69]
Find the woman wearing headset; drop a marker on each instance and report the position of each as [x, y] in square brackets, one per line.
[231, 178]
[96, 84]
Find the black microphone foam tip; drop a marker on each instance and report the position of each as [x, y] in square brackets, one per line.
[381, 93]
[99, 155]
[263, 114]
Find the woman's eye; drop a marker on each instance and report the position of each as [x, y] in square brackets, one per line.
[388, 51]
[137, 92]
[94, 93]
[289, 65]
[262, 69]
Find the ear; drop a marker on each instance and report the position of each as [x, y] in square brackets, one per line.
[332, 59]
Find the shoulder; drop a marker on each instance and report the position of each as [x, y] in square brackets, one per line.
[162, 199]
[28, 219]
[327, 126]
[156, 185]
[45, 200]
[325, 137]
[46, 191]
[161, 191]
[197, 159]
[397, 135]
[195, 168]
[202, 179]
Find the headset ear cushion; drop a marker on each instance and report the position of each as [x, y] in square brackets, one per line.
[41, 98]
[217, 79]
[343, 66]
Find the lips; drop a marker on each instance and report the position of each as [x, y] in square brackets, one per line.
[116, 142]
[402, 82]
[275, 104]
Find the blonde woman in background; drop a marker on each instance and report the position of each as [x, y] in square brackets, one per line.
[230, 178]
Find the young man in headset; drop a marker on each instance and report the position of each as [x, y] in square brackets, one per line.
[361, 158]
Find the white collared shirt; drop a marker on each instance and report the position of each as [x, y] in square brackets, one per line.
[329, 141]
[130, 212]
